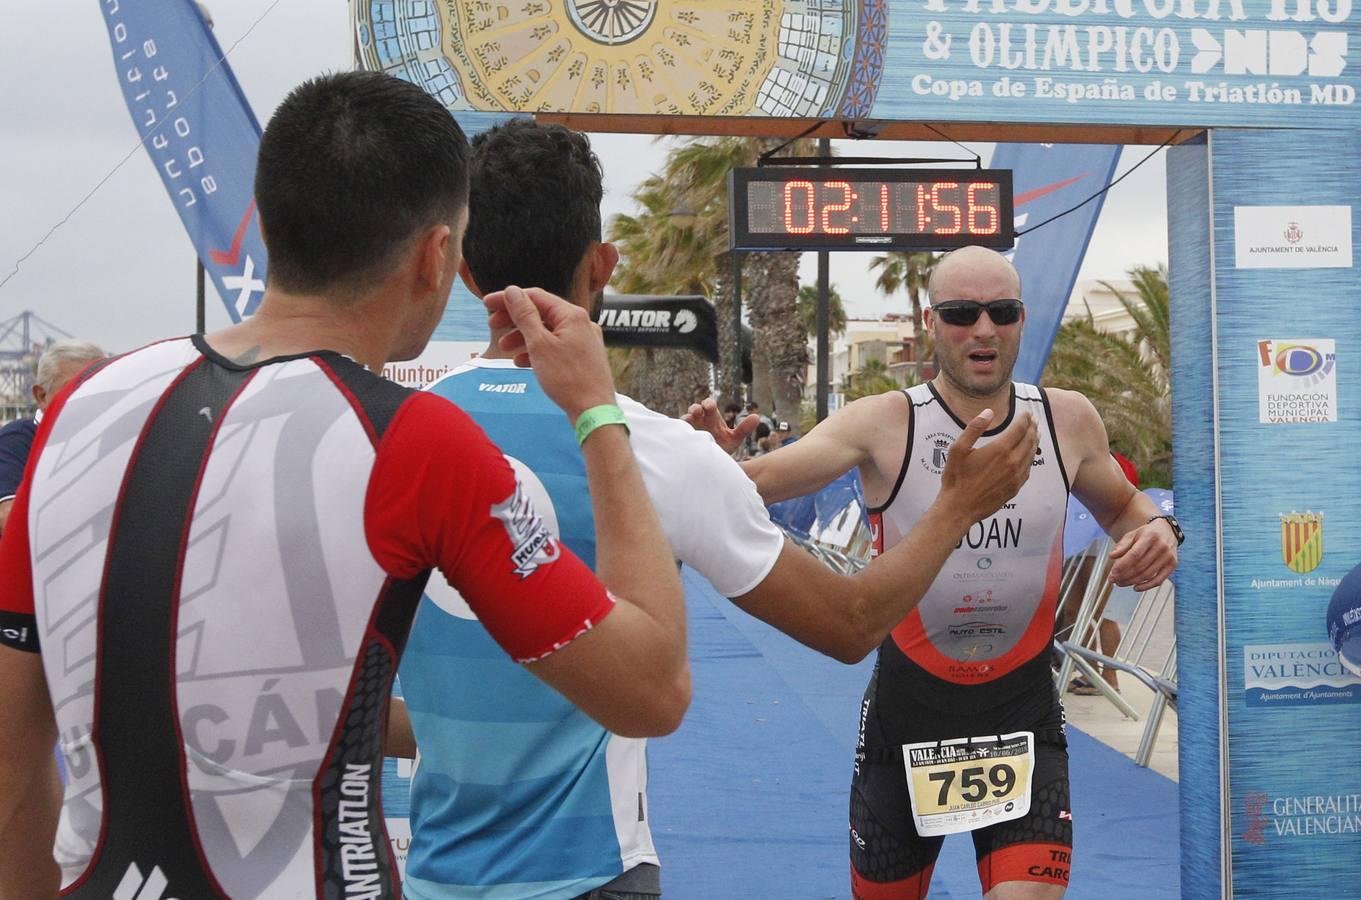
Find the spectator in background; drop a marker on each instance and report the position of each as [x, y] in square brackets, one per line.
[58, 364]
[784, 434]
[758, 443]
[730, 414]
[774, 440]
[752, 442]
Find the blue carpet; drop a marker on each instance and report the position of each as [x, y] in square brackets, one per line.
[748, 798]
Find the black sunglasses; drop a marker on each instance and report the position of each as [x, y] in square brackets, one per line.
[966, 312]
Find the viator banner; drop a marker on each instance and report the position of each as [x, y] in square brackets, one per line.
[1049, 179]
[200, 133]
[635, 320]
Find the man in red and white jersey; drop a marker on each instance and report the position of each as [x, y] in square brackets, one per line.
[962, 697]
[209, 573]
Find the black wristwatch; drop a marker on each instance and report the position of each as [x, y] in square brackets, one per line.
[1176, 527]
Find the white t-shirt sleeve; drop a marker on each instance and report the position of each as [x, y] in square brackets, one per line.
[710, 511]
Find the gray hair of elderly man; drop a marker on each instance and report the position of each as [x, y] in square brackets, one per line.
[58, 354]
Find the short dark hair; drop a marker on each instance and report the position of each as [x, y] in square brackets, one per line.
[732, 408]
[762, 431]
[351, 167]
[533, 206]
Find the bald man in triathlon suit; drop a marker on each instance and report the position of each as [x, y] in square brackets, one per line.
[971, 661]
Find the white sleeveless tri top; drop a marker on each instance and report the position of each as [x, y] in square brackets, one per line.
[990, 610]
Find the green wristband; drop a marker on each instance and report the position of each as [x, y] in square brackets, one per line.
[596, 416]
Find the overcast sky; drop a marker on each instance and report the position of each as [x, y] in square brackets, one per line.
[120, 270]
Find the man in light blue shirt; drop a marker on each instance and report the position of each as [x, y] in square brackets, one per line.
[516, 793]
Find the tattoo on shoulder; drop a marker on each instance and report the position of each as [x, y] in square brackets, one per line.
[250, 356]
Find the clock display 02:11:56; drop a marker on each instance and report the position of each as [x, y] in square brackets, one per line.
[874, 207]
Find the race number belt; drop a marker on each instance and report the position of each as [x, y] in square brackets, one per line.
[966, 783]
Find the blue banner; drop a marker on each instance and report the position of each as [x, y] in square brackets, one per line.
[1048, 179]
[1264, 428]
[200, 133]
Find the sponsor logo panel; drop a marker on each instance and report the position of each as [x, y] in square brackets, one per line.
[1271, 819]
[1301, 674]
[1292, 237]
[1302, 541]
[655, 321]
[1296, 381]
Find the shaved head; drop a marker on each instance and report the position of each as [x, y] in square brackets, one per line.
[974, 360]
[957, 271]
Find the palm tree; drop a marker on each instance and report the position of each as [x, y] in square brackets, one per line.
[661, 254]
[777, 328]
[662, 250]
[697, 175]
[900, 270]
[808, 310]
[1151, 312]
[1127, 376]
[873, 378]
[698, 171]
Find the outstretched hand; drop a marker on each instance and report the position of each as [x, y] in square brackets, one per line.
[557, 338]
[704, 416]
[1145, 556]
[981, 479]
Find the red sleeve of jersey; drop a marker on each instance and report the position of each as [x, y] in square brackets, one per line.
[1131, 473]
[442, 496]
[18, 627]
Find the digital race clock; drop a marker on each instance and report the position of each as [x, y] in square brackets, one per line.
[802, 208]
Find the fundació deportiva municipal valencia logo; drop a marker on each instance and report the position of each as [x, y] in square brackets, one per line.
[1302, 540]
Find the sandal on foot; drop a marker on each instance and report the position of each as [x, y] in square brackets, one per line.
[1083, 688]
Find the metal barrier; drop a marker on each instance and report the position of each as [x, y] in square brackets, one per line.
[1132, 656]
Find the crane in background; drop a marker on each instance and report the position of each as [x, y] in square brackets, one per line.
[23, 339]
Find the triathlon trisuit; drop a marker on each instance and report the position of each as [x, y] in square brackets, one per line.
[219, 565]
[517, 793]
[971, 660]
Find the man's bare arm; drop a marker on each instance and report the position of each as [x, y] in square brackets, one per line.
[630, 672]
[847, 617]
[30, 789]
[837, 444]
[1145, 552]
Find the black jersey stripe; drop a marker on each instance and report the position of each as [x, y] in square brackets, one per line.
[907, 458]
[374, 399]
[1054, 436]
[351, 853]
[148, 822]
